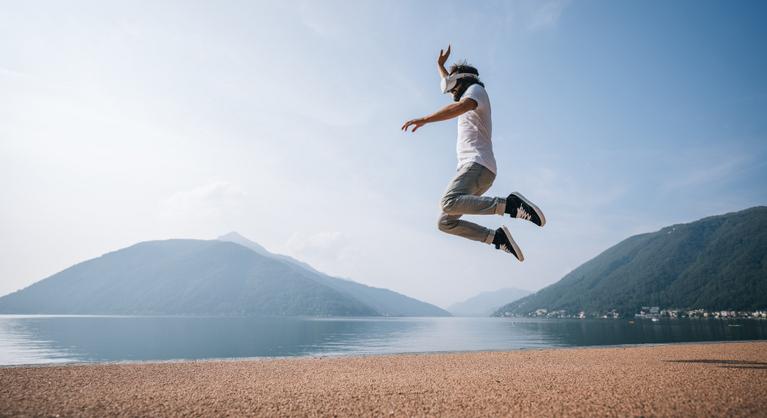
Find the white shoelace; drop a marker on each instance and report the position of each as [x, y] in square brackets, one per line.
[521, 213]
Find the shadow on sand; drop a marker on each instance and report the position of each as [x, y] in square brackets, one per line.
[729, 364]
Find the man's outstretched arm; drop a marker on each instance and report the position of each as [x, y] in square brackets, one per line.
[448, 112]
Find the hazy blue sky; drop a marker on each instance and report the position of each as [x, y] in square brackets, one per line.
[129, 121]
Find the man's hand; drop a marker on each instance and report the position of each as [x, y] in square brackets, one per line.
[442, 59]
[448, 112]
[415, 123]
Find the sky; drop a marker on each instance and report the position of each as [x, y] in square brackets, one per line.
[123, 122]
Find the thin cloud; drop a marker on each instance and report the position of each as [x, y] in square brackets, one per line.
[710, 173]
[547, 14]
[7, 72]
[326, 244]
[207, 200]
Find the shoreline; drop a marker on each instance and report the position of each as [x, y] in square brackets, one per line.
[677, 379]
[363, 355]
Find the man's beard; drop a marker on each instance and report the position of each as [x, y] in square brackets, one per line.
[457, 93]
[460, 90]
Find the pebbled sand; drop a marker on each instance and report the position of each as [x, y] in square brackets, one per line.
[728, 379]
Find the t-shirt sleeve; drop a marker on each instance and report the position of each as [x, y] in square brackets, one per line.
[475, 92]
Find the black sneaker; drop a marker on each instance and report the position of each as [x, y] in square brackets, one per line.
[504, 241]
[519, 207]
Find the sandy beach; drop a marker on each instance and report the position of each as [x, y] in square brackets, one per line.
[724, 379]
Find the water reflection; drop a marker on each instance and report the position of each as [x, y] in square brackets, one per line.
[19, 346]
[617, 332]
[47, 339]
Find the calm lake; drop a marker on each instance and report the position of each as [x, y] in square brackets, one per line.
[57, 339]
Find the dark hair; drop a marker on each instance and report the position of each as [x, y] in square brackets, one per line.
[464, 83]
[463, 67]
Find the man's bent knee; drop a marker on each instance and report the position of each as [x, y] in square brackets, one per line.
[445, 223]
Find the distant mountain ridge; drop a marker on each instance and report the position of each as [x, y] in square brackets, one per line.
[715, 263]
[485, 303]
[236, 238]
[383, 301]
[195, 277]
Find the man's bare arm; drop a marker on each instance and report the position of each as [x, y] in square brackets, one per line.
[448, 112]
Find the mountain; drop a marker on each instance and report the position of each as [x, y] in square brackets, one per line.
[176, 277]
[383, 301]
[197, 277]
[485, 303]
[714, 263]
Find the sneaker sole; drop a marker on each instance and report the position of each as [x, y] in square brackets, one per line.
[514, 245]
[532, 205]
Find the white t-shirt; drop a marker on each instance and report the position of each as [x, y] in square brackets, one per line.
[475, 130]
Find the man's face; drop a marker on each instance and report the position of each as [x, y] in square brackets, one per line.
[454, 91]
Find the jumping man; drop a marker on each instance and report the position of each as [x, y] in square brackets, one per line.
[476, 163]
